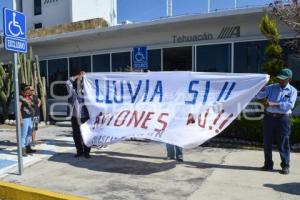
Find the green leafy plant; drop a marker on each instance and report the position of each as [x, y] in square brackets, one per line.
[273, 52]
[252, 130]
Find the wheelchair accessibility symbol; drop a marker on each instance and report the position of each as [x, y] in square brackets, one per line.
[140, 57]
[14, 24]
[14, 27]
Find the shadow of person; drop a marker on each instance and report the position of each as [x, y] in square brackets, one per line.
[113, 153]
[9, 151]
[290, 188]
[188, 164]
[59, 143]
[106, 163]
[203, 165]
[7, 143]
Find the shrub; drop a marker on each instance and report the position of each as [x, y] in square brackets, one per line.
[252, 130]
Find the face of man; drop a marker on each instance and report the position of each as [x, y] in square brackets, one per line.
[283, 83]
[25, 92]
[31, 91]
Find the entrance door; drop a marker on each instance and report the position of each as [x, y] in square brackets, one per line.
[178, 59]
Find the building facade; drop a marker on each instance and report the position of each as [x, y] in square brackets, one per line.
[47, 13]
[228, 41]
[214, 42]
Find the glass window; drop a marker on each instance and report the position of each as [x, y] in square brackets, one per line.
[292, 61]
[58, 71]
[37, 7]
[178, 59]
[154, 60]
[249, 57]
[294, 64]
[120, 61]
[101, 63]
[214, 58]
[78, 64]
[38, 25]
[43, 70]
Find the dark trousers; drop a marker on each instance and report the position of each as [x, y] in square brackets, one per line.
[278, 129]
[173, 151]
[80, 146]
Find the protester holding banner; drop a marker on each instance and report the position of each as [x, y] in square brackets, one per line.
[26, 109]
[174, 152]
[281, 98]
[79, 113]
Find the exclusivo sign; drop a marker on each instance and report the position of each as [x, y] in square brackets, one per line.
[181, 108]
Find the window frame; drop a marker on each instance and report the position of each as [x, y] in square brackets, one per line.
[37, 11]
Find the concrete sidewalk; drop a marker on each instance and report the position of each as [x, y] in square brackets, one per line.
[137, 170]
[52, 140]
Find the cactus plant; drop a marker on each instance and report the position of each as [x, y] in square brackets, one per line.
[29, 73]
[40, 84]
[6, 88]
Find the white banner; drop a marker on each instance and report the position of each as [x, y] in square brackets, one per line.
[181, 108]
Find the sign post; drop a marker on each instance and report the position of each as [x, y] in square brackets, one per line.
[140, 58]
[15, 41]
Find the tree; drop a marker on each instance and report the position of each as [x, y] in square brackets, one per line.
[273, 51]
[289, 13]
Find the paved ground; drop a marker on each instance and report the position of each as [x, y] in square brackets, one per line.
[137, 170]
[52, 140]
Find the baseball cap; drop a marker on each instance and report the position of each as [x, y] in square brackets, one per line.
[284, 74]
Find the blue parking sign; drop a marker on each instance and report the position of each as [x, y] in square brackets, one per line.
[140, 57]
[13, 44]
[14, 26]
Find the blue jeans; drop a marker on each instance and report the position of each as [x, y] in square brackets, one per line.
[26, 131]
[173, 150]
[278, 129]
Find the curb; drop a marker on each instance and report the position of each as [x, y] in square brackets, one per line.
[12, 191]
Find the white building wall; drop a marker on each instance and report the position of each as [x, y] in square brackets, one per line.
[53, 13]
[89, 9]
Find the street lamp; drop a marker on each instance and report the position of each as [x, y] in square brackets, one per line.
[169, 8]
[18, 5]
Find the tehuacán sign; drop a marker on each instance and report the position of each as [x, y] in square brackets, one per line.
[49, 1]
[226, 32]
[192, 38]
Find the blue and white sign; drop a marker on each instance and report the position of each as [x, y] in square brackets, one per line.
[14, 31]
[140, 57]
[13, 44]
